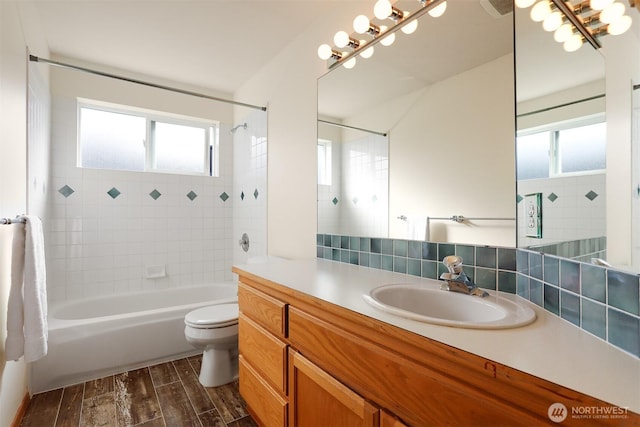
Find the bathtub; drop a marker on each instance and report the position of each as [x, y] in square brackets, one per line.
[92, 338]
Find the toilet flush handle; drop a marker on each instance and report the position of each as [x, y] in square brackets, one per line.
[244, 242]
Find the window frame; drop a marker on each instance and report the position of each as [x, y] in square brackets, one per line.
[554, 130]
[211, 129]
[328, 161]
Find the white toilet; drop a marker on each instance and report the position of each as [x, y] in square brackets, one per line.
[215, 329]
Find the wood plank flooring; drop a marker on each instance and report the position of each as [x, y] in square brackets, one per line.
[164, 395]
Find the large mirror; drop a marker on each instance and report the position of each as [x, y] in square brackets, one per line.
[561, 144]
[575, 144]
[444, 98]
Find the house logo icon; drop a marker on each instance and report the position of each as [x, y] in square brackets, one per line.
[557, 412]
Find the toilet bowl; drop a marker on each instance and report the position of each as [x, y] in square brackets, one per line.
[215, 329]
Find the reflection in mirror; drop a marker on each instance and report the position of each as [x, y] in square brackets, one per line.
[353, 181]
[445, 96]
[573, 143]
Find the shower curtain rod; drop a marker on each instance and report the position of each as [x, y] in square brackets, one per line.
[566, 104]
[351, 127]
[34, 58]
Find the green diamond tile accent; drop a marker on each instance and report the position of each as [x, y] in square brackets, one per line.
[224, 196]
[114, 192]
[155, 194]
[191, 195]
[335, 201]
[519, 198]
[374, 198]
[591, 195]
[553, 197]
[66, 191]
[242, 196]
[355, 200]
[255, 193]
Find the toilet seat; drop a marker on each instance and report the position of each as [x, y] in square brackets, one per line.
[213, 316]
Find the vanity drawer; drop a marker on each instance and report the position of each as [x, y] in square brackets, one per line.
[266, 353]
[265, 404]
[267, 311]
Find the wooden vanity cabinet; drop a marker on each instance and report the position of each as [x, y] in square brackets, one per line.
[263, 356]
[316, 398]
[304, 361]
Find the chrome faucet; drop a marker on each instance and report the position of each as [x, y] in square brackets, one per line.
[457, 280]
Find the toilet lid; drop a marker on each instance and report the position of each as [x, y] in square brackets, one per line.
[213, 315]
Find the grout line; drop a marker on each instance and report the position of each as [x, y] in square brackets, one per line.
[55, 420]
[84, 387]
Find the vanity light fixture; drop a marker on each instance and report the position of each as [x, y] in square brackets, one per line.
[572, 22]
[379, 33]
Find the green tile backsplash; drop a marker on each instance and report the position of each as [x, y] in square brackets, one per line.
[604, 302]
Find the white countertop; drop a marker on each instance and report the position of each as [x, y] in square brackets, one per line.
[549, 348]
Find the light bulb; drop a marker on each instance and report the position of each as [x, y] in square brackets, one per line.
[388, 39]
[438, 10]
[599, 4]
[540, 11]
[366, 53]
[382, 9]
[563, 33]
[552, 22]
[523, 4]
[325, 51]
[611, 13]
[411, 26]
[361, 24]
[573, 43]
[620, 25]
[350, 63]
[341, 39]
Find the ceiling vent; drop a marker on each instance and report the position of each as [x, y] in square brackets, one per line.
[497, 8]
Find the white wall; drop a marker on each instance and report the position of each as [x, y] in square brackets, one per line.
[288, 84]
[18, 30]
[452, 153]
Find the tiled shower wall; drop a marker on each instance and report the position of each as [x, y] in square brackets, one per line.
[604, 302]
[250, 186]
[357, 200]
[107, 231]
[572, 206]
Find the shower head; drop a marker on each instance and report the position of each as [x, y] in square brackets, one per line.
[235, 128]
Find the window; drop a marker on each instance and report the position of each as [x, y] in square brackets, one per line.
[561, 150]
[114, 137]
[324, 162]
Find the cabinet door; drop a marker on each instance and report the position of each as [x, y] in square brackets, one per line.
[388, 420]
[317, 399]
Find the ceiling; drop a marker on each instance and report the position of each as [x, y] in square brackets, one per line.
[220, 44]
[214, 44]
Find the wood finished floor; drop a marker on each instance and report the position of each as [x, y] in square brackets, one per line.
[167, 394]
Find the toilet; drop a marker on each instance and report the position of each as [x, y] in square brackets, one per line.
[215, 329]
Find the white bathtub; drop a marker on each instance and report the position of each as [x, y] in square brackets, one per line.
[92, 338]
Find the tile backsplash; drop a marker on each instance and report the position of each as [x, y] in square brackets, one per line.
[602, 301]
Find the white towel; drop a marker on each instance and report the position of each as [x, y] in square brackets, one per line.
[14, 343]
[32, 303]
[418, 228]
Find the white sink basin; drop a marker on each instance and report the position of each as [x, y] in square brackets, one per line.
[430, 304]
